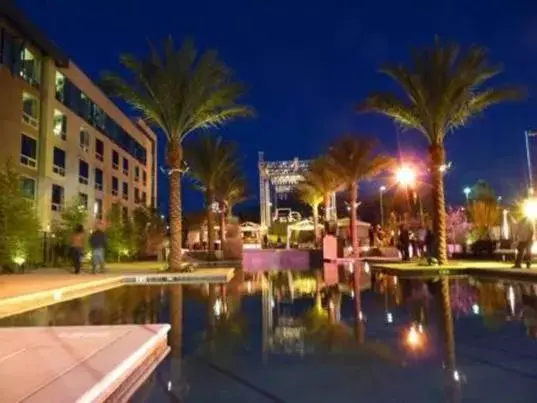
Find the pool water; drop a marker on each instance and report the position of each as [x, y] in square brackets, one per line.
[255, 341]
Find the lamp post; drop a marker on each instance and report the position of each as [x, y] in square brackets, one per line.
[406, 176]
[382, 189]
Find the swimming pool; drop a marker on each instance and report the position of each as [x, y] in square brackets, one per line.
[257, 342]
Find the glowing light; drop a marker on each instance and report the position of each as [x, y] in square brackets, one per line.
[530, 208]
[395, 280]
[19, 260]
[405, 176]
[389, 317]
[511, 298]
[249, 286]
[456, 376]
[272, 303]
[350, 267]
[414, 337]
[475, 309]
[217, 308]
[352, 293]
[466, 191]
[382, 188]
[366, 267]
[505, 225]
[360, 315]
[57, 296]
[169, 385]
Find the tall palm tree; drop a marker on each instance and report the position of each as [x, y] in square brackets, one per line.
[322, 176]
[312, 196]
[354, 159]
[210, 160]
[230, 190]
[443, 89]
[179, 92]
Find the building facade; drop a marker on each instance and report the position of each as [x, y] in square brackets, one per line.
[68, 140]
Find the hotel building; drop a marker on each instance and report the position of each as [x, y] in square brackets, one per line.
[67, 139]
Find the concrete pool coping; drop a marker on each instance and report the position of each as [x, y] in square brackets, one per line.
[455, 268]
[21, 293]
[90, 363]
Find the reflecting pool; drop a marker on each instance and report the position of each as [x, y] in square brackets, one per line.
[278, 338]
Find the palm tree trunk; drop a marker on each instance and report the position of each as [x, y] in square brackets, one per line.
[354, 218]
[223, 214]
[174, 159]
[210, 224]
[175, 336]
[437, 155]
[358, 322]
[315, 209]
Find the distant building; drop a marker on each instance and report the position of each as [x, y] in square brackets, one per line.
[65, 136]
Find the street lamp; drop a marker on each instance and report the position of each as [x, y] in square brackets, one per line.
[405, 176]
[530, 208]
[466, 192]
[382, 189]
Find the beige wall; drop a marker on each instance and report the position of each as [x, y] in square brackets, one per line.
[11, 127]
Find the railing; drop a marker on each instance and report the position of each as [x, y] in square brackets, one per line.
[114, 192]
[125, 196]
[30, 120]
[83, 180]
[56, 206]
[98, 186]
[99, 156]
[125, 172]
[58, 170]
[115, 166]
[84, 147]
[28, 161]
[60, 133]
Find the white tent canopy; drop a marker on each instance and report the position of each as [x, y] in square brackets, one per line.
[304, 225]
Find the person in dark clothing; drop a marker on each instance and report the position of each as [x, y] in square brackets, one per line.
[404, 242]
[77, 247]
[98, 244]
[371, 236]
[525, 240]
[430, 244]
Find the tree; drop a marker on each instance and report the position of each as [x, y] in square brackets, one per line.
[230, 190]
[114, 231]
[149, 231]
[354, 159]
[322, 177]
[482, 191]
[74, 214]
[443, 89]
[179, 92]
[210, 160]
[484, 215]
[19, 225]
[312, 196]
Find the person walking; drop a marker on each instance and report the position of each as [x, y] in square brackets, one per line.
[77, 247]
[98, 244]
[525, 240]
[404, 242]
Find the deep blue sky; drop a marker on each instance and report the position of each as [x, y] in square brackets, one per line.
[307, 63]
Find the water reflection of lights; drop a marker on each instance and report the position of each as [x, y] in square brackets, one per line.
[456, 376]
[57, 295]
[360, 315]
[475, 309]
[415, 337]
[366, 267]
[352, 293]
[389, 317]
[169, 385]
[249, 286]
[350, 267]
[272, 303]
[395, 279]
[511, 298]
[218, 307]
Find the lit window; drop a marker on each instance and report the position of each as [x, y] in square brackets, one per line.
[28, 151]
[84, 139]
[60, 87]
[98, 209]
[58, 163]
[83, 172]
[59, 125]
[28, 187]
[115, 159]
[83, 200]
[57, 198]
[115, 186]
[125, 191]
[30, 68]
[30, 110]
[99, 149]
[99, 185]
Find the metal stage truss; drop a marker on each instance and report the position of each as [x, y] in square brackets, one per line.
[281, 177]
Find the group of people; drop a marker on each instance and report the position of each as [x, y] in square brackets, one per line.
[97, 242]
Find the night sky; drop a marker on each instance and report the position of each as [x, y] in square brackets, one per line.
[308, 63]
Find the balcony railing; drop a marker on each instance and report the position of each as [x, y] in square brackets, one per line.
[126, 171]
[58, 170]
[30, 120]
[83, 180]
[115, 192]
[99, 156]
[98, 186]
[115, 165]
[125, 196]
[84, 147]
[56, 206]
[28, 161]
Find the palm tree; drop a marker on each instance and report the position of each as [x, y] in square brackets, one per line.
[179, 92]
[354, 159]
[210, 160]
[322, 176]
[310, 194]
[443, 89]
[230, 190]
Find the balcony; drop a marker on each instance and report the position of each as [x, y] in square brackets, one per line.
[126, 172]
[99, 156]
[83, 180]
[28, 161]
[115, 192]
[99, 186]
[115, 165]
[56, 206]
[58, 170]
